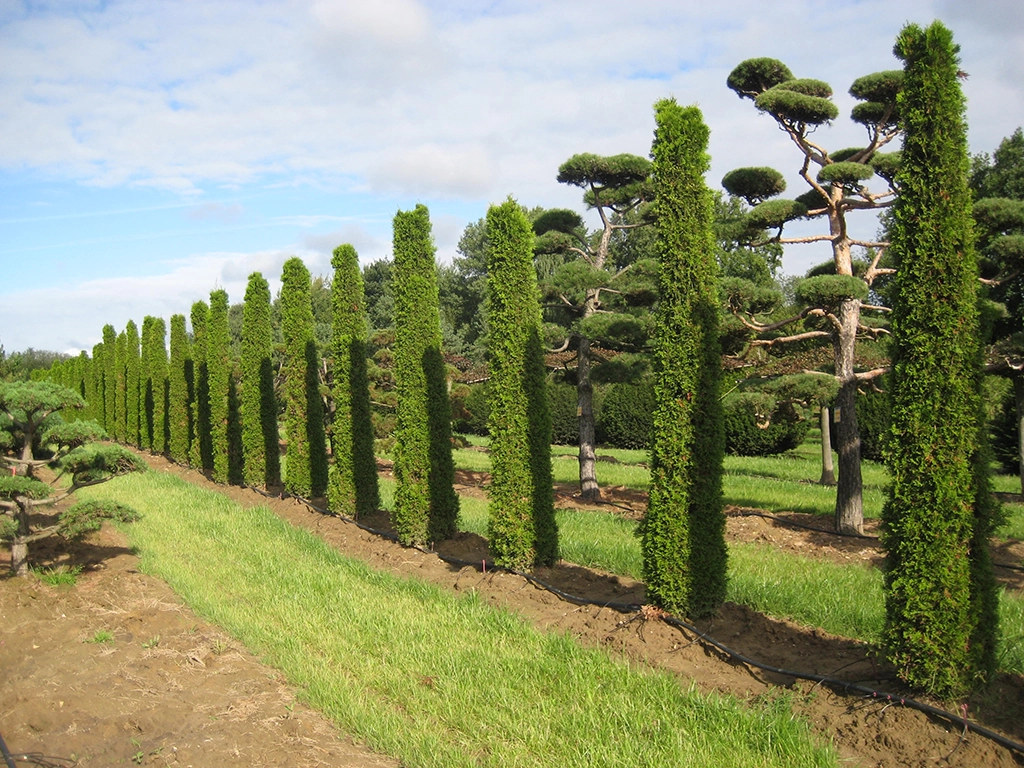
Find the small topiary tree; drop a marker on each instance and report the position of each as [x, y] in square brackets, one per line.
[940, 593]
[426, 505]
[683, 533]
[353, 484]
[260, 438]
[521, 524]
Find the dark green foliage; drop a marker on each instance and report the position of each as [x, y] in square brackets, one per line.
[683, 533]
[565, 424]
[794, 107]
[132, 383]
[30, 407]
[95, 462]
[66, 435]
[886, 165]
[1005, 432]
[754, 76]
[29, 487]
[829, 290]
[941, 603]
[218, 366]
[158, 385]
[772, 214]
[306, 474]
[612, 174]
[807, 86]
[627, 416]
[120, 387]
[178, 421]
[88, 516]
[521, 526]
[261, 455]
[353, 488]
[474, 410]
[1001, 175]
[755, 185]
[879, 86]
[201, 451]
[758, 424]
[873, 420]
[426, 505]
[844, 173]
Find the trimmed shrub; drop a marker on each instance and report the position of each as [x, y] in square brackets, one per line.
[627, 416]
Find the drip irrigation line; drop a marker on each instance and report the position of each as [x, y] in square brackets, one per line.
[6, 753]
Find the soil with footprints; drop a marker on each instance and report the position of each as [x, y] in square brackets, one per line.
[116, 670]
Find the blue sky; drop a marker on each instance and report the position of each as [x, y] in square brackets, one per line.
[153, 151]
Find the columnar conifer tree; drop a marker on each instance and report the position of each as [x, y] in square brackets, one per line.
[158, 374]
[218, 363]
[109, 378]
[521, 524]
[121, 387]
[353, 483]
[146, 385]
[683, 543]
[202, 444]
[94, 398]
[306, 473]
[132, 378]
[261, 457]
[178, 391]
[941, 605]
[426, 505]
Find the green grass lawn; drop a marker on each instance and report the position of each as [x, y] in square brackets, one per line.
[360, 645]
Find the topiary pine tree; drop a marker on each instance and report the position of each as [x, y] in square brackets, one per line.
[218, 366]
[178, 388]
[426, 505]
[353, 483]
[837, 185]
[941, 602]
[521, 515]
[580, 288]
[261, 455]
[201, 452]
[306, 473]
[683, 540]
[133, 377]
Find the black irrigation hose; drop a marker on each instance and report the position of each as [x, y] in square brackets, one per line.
[796, 524]
[6, 754]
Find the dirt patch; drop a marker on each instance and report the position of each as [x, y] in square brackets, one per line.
[197, 698]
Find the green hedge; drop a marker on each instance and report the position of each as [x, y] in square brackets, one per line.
[757, 425]
[627, 416]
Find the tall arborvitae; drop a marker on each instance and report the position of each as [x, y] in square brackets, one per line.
[306, 473]
[353, 483]
[201, 452]
[146, 393]
[426, 505]
[521, 525]
[684, 532]
[94, 398]
[133, 373]
[120, 387]
[261, 458]
[158, 376]
[178, 391]
[109, 377]
[941, 604]
[218, 365]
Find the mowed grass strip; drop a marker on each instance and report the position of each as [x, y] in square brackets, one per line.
[433, 678]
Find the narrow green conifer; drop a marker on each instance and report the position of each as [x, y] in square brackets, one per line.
[121, 387]
[521, 526]
[158, 377]
[146, 385]
[178, 415]
[426, 505]
[201, 453]
[941, 603]
[109, 377]
[353, 483]
[306, 473]
[133, 373]
[261, 457]
[218, 364]
[684, 531]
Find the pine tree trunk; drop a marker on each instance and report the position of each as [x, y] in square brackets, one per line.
[828, 475]
[589, 490]
[19, 547]
[849, 491]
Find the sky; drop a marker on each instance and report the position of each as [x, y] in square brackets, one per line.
[154, 150]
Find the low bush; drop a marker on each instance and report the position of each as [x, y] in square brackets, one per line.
[627, 415]
[756, 424]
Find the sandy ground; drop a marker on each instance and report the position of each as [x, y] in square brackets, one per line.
[168, 689]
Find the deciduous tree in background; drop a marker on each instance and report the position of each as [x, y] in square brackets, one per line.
[261, 455]
[353, 483]
[426, 505]
[941, 602]
[521, 525]
[306, 473]
[179, 388]
[683, 541]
